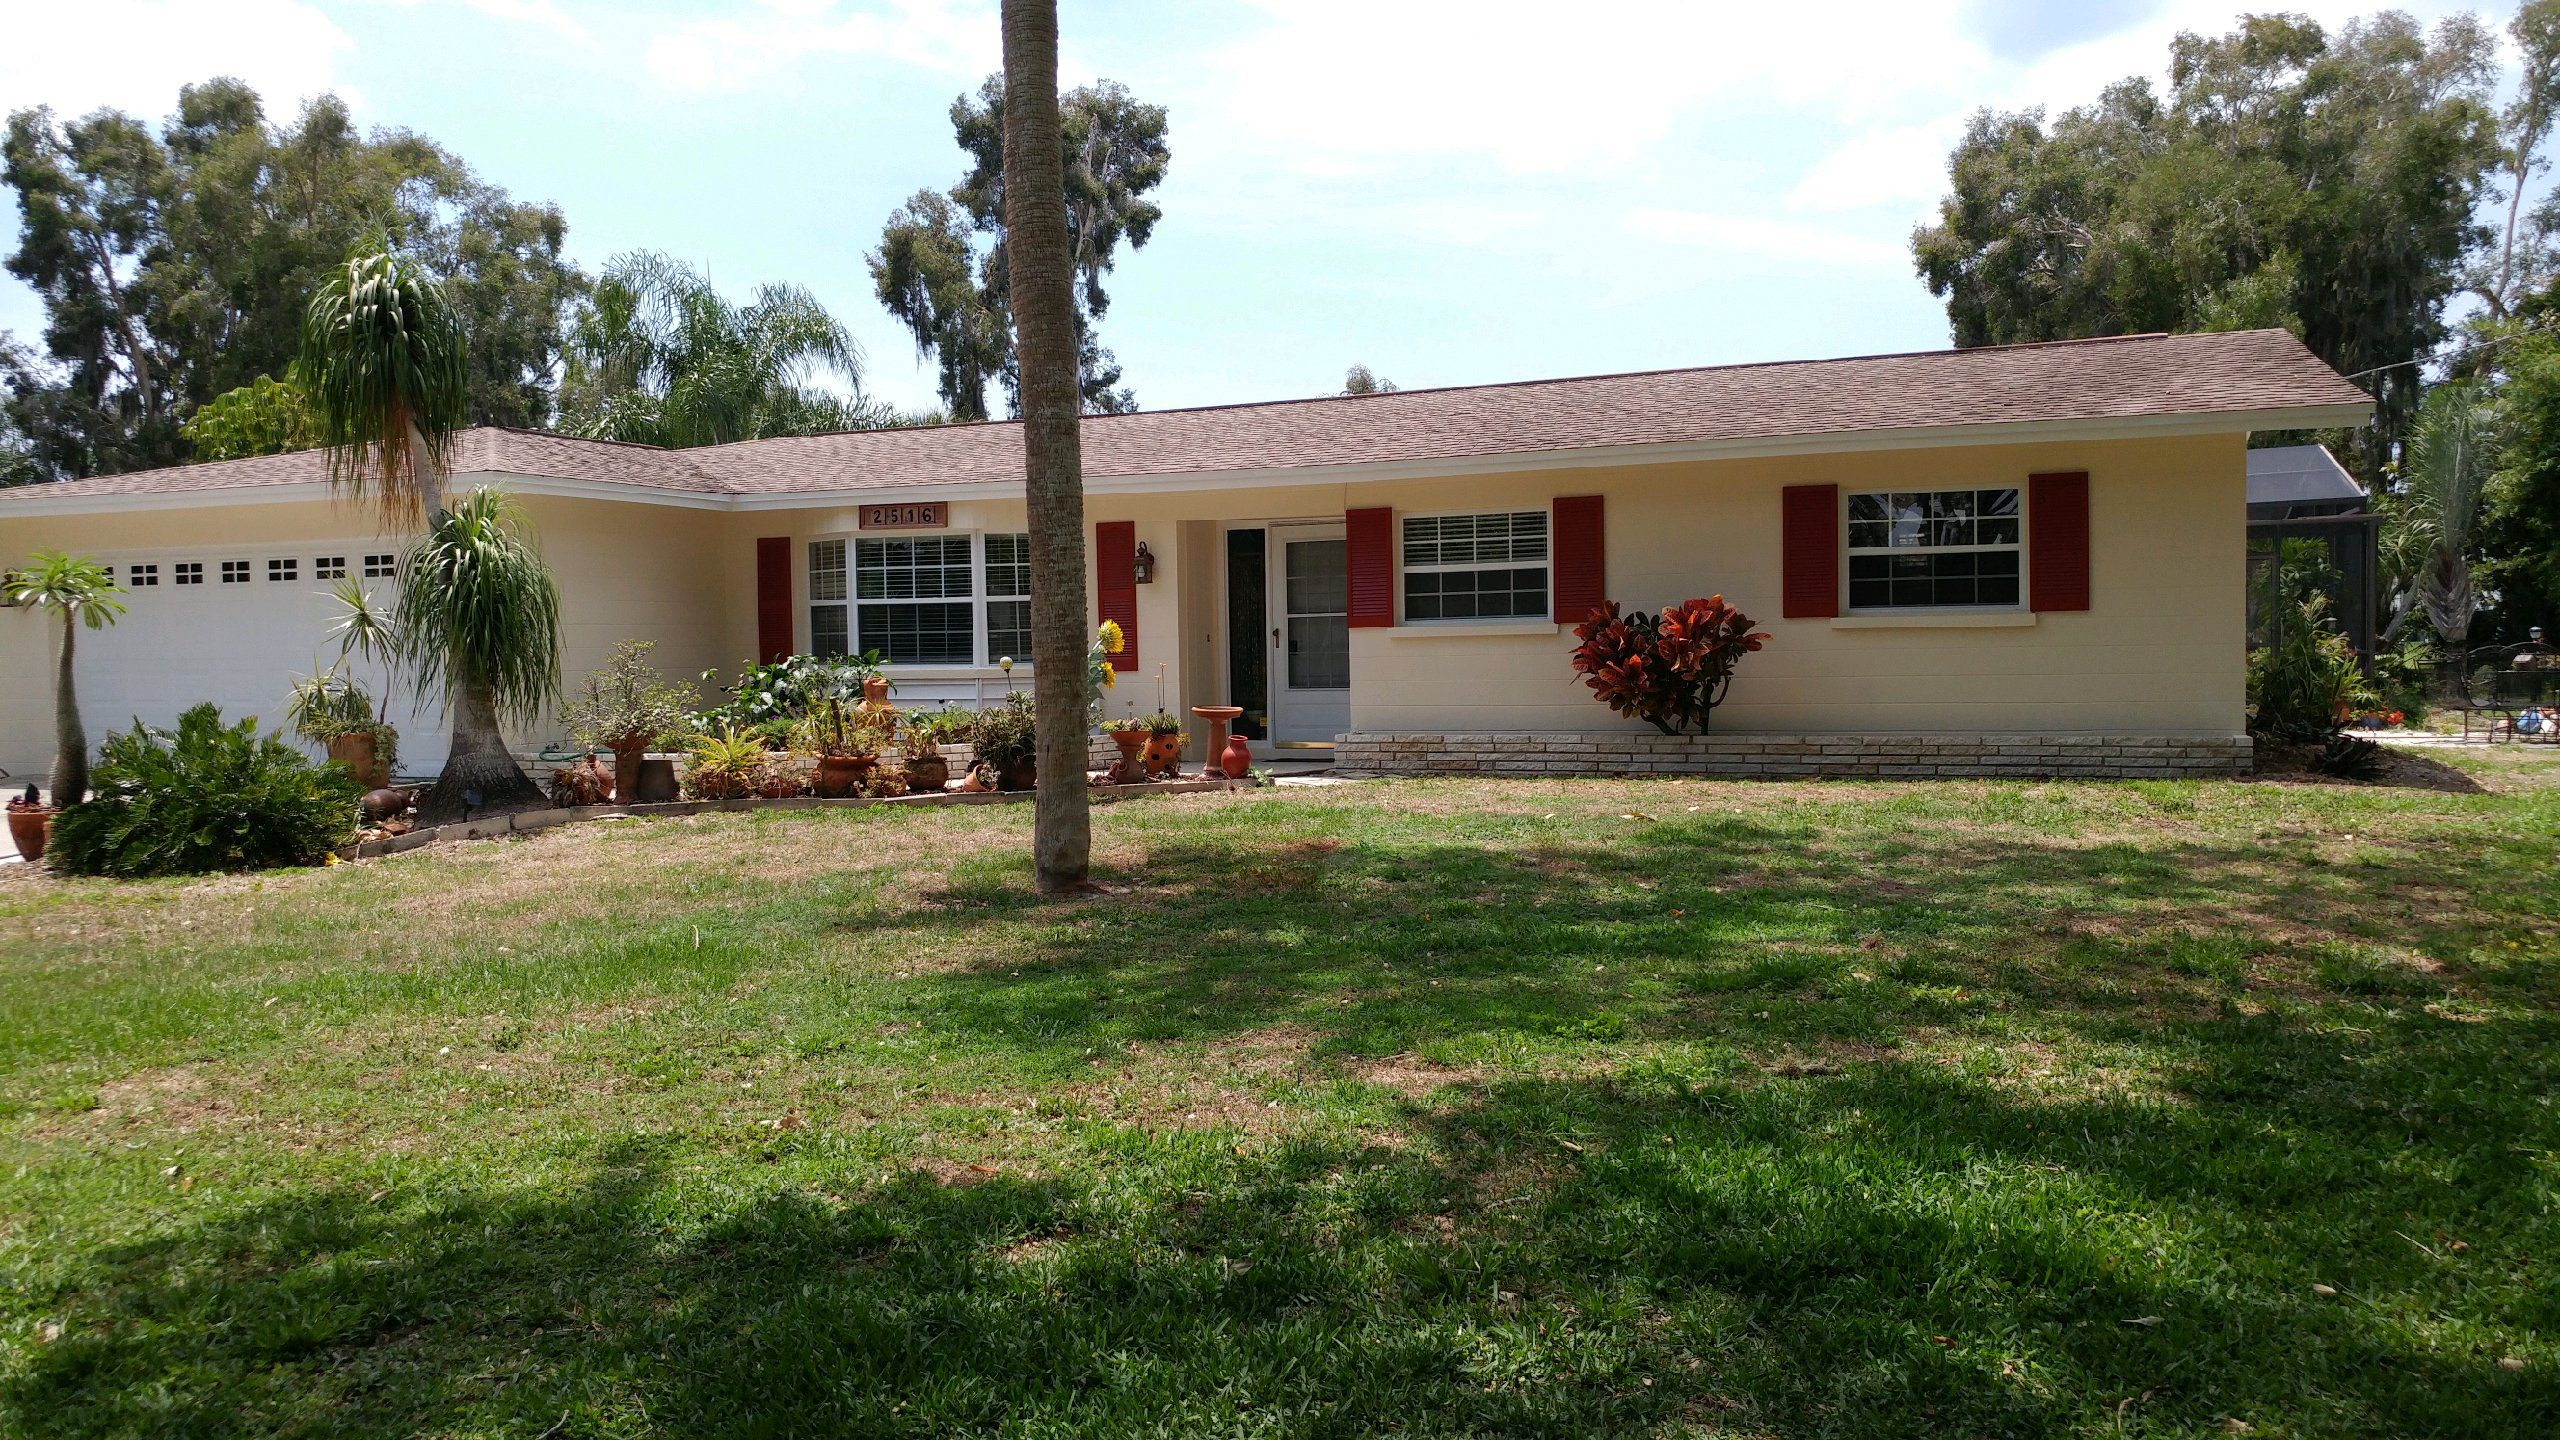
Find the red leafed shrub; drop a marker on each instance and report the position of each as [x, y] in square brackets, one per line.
[1668, 670]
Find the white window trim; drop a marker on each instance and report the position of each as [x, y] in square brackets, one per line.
[1480, 624]
[1958, 616]
[982, 659]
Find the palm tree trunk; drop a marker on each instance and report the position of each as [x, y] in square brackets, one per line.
[70, 777]
[480, 774]
[1042, 277]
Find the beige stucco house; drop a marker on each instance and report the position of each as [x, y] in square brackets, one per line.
[2021, 558]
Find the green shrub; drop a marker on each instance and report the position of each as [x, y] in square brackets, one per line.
[1006, 735]
[2304, 681]
[207, 797]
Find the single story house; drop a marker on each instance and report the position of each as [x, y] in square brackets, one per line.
[2019, 559]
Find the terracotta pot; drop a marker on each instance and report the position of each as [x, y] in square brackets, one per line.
[875, 690]
[842, 775]
[1133, 757]
[30, 826]
[384, 803]
[1164, 753]
[362, 754]
[657, 782]
[1238, 759]
[1023, 775]
[978, 781]
[928, 772]
[627, 760]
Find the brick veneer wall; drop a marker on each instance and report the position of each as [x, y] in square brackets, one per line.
[2112, 757]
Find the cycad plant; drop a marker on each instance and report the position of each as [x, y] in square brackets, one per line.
[479, 623]
[82, 592]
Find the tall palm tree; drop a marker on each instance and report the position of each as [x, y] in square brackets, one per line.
[479, 621]
[1041, 272]
[382, 358]
[660, 357]
[2452, 450]
[82, 592]
[382, 363]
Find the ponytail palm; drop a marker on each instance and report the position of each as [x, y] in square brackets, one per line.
[479, 621]
[382, 358]
[82, 592]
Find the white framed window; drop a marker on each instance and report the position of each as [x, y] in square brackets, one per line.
[284, 570]
[922, 599]
[381, 567]
[329, 567]
[187, 572]
[138, 576]
[235, 572]
[1489, 566]
[1935, 549]
[1009, 597]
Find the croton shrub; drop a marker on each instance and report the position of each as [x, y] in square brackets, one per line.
[1669, 670]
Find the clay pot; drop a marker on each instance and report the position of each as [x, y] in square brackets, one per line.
[657, 782]
[1238, 759]
[978, 781]
[928, 772]
[1164, 753]
[875, 690]
[383, 803]
[1024, 775]
[842, 775]
[30, 826]
[1133, 762]
[362, 754]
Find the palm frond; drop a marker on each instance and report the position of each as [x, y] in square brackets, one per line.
[477, 603]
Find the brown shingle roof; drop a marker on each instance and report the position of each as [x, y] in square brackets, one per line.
[2127, 378]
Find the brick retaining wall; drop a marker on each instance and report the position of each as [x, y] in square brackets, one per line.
[2109, 757]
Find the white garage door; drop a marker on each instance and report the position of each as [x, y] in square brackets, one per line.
[237, 627]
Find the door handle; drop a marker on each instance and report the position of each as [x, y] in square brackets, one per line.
[1275, 637]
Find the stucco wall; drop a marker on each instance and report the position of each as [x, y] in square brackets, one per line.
[624, 570]
[2158, 652]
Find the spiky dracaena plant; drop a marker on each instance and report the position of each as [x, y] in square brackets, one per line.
[82, 592]
[382, 364]
[2452, 452]
[479, 623]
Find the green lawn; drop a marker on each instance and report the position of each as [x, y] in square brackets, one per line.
[1561, 1108]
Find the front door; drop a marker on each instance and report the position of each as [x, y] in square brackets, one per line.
[1310, 603]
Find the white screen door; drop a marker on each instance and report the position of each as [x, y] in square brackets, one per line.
[1311, 639]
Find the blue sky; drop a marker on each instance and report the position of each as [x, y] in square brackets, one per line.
[1451, 193]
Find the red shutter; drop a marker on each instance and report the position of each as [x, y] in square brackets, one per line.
[1810, 550]
[1115, 583]
[1371, 546]
[2058, 541]
[773, 599]
[1581, 558]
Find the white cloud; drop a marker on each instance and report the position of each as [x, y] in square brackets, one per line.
[135, 54]
[772, 37]
[543, 13]
[1751, 237]
[1896, 167]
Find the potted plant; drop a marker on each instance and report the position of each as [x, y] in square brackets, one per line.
[332, 711]
[1164, 742]
[1131, 736]
[628, 708]
[582, 781]
[847, 753]
[82, 592]
[922, 736]
[1004, 739]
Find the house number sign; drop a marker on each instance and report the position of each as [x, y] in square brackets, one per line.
[935, 515]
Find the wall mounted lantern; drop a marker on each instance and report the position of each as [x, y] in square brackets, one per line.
[1143, 570]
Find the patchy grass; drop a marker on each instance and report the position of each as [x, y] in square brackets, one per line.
[1455, 1108]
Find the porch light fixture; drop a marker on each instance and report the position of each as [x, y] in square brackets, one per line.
[1143, 569]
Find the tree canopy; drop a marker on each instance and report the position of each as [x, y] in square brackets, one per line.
[2289, 177]
[174, 265]
[941, 266]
